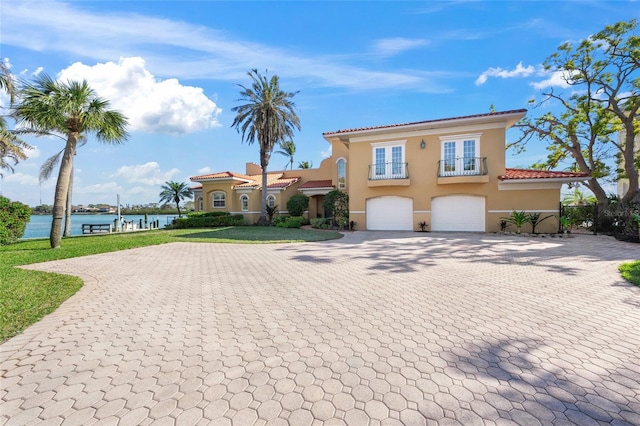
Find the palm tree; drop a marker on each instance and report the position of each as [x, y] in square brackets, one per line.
[46, 170]
[267, 115]
[288, 149]
[578, 199]
[72, 109]
[305, 164]
[175, 192]
[12, 148]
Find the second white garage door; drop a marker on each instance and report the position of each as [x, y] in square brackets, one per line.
[390, 214]
[458, 213]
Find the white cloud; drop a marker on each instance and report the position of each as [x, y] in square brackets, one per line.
[151, 105]
[147, 174]
[392, 46]
[211, 53]
[555, 79]
[34, 152]
[102, 190]
[21, 178]
[519, 71]
[204, 170]
[326, 154]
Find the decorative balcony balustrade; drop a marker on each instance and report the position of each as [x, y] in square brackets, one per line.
[387, 171]
[463, 166]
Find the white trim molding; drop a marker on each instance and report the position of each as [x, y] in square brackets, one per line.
[458, 137]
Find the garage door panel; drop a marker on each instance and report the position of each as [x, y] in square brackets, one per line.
[458, 213]
[390, 214]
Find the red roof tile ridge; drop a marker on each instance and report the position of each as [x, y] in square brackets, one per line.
[515, 173]
[489, 114]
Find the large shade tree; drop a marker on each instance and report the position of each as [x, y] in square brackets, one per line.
[175, 192]
[267, 115]
[72, 109]
[12, 148]
[603, 75]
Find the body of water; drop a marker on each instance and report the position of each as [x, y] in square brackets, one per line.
[40, 225]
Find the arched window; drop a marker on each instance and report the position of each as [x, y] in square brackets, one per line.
[219, 200]
[342, 173]
[200, 204]
[271, 200]
[244, 202]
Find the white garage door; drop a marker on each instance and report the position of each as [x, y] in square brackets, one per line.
[458, 213]
[390, 214]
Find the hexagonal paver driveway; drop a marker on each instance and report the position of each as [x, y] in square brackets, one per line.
[373, 329]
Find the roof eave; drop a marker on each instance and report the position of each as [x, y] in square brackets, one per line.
[538, 180]
[509, 118]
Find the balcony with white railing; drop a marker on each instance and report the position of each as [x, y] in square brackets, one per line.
[463, 170]
[389, 174]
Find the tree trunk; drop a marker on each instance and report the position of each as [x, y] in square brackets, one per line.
[263, 164]
[67, 213]
[633, 193]
[62, 188]
[598, 192]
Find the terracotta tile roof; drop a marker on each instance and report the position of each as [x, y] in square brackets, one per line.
[194, 188]
[283, 183]
[514, 174]
[256, 180]
[274, 181]
[316, 184]
[220, 175]
[490, 114]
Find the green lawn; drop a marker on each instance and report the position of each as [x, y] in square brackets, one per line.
[27, 296]
[631, 272]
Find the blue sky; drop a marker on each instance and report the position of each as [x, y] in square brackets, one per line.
[174, 68]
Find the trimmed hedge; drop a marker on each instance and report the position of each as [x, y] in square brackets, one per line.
[291, 222]
[213, 220]
[297, 204]
[208, 214]
[14, 217]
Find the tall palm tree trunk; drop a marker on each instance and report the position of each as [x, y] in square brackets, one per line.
[264, 162]
[62, 188]
[67, 213]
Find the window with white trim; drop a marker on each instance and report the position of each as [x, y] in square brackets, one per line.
[219, 200]
[200, 204]
[388, 160]
[271, 200]
[342, 173]
[244, 202]
[460, 155]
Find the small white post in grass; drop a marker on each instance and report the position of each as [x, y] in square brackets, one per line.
[118, 229]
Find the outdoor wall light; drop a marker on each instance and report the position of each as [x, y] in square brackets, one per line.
[422, 144]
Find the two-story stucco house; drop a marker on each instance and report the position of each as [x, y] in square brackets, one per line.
[449, 173]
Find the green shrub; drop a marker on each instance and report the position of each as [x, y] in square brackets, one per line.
[14, 217]
[291, 222]
[208, 221]
[298, 204]
[320, 223]
[278, 220]
[336, 205]
[216, 214]
[195, 214]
